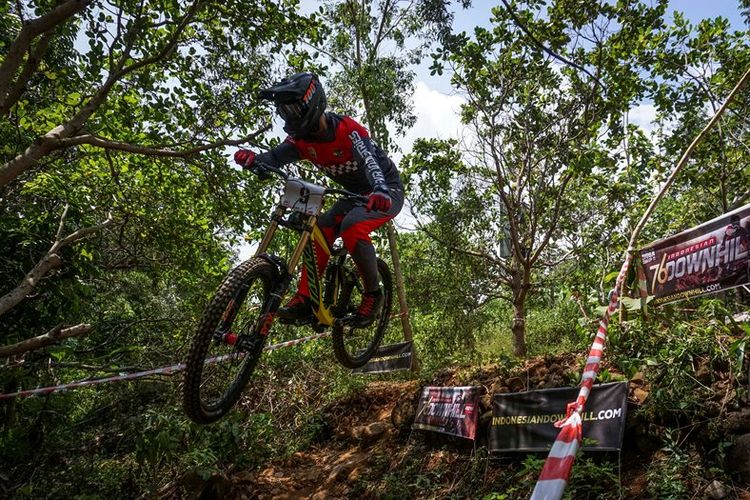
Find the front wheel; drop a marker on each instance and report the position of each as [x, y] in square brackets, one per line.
[216, 370]
[354, 347]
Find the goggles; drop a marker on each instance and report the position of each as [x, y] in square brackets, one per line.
[291, 111]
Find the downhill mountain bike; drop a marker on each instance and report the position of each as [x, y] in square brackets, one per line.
[235, 325]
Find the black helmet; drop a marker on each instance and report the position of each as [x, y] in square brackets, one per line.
[300, 100]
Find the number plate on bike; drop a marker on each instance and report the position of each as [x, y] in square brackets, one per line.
[302, 196]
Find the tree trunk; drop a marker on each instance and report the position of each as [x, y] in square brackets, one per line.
[521, 277]
[401, 292]
[518, 327]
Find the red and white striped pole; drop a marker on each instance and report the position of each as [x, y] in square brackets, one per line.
[556, 471]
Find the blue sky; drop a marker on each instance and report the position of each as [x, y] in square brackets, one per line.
[436, 104]
[480, 12]
[694, 9]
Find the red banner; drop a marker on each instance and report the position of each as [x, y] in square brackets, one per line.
[449, 410]
[705, 259]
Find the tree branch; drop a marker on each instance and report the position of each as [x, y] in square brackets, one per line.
[539, 44]
[94, 140]
[80, 234]
[50, 261]
[14, 93]
[61, 225]
[52, 337]
[739, 201]
[481, 255]
[47, 143]
[29, 282]
[26, 36]
[684, 159]
[557, 211]
[378, 36]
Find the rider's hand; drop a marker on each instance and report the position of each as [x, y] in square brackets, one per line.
[379, 201]
[245, 158]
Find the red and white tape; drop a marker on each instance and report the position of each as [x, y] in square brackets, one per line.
[165, 370]
[556, 471]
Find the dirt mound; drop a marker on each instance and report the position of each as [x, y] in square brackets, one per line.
[367, 448]
[360, 425]
[375, 422]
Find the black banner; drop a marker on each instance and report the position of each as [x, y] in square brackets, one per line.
[388, 358]
[705, 259]
[524, 421]
[449, 410]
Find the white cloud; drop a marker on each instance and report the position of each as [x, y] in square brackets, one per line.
[437, 117]
[643, 116]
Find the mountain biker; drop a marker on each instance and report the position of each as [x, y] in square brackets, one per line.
[342, 149]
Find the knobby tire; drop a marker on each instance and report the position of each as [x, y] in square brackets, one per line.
[373, 334]
[198, 406]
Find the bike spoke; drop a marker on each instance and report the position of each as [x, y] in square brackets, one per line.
[224, 362]
[220, 365]
[354, 346]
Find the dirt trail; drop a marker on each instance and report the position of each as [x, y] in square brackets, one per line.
[362, 426]
[367, 449]
[375, 423]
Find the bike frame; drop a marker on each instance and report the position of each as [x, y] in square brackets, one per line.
[305, 252]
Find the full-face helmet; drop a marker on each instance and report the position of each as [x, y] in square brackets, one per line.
[300, 101]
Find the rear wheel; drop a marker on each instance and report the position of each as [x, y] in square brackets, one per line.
[216, 370]
[354, 347]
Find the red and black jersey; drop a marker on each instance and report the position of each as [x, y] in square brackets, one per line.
[346, 154]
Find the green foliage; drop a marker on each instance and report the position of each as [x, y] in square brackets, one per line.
[668, 477]
[555, 326]
[515, 196]
[142, 282]
[375, 45]
[682, 359]
[593, 478]
[539, 216]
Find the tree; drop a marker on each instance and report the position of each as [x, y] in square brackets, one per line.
[169, 58]
[374, 46]
[369, 43]
[697, 67]
[542, 93]
[115, 115]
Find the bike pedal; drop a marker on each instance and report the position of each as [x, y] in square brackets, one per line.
[344, 321]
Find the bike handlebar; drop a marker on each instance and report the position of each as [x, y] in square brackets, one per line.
[264, 168]
[348, 194]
